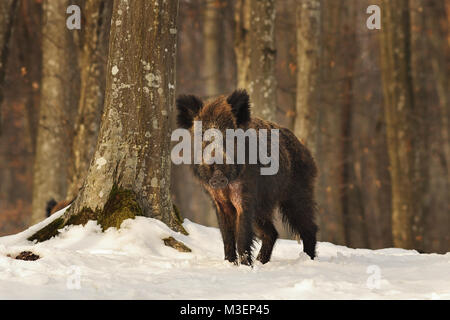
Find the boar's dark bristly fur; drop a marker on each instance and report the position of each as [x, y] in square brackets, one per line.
[188, 106]
[245, 200]
[240, 106]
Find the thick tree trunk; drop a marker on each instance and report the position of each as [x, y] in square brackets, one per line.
[56, 110]
[93, 64]
[255, 54]
[130, 172]
[399, 108]
[7, 14]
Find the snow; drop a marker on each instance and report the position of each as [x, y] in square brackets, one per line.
[133, 263]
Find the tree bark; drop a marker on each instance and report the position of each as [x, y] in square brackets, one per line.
[399, 108]
[286, 62]
[241, 41]
[255, 54]
[328, 147]
[130, 171]
[308, 72]
[213, 34]
[262, 83]
[440, 63]
[356, 234]
[56, 109]
[93, 64]
[187, 193]
[422, 115]
[7, 14]
[437, 200]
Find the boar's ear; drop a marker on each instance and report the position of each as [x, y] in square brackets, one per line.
[188, 107]
[240, 105]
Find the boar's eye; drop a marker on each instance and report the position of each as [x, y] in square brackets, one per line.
[240, 105]
[188, 107]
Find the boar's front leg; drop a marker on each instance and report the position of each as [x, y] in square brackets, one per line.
[226, 216]
[245, 209]
[244, 233]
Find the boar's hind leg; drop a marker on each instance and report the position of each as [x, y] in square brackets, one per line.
[268, 235]
[298, 212]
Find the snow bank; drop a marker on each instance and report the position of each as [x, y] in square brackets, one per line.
[133, 263]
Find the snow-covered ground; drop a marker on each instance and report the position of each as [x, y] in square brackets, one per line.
[133, 263]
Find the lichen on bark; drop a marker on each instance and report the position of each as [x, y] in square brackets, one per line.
[121, 205]
[177, 245]
[177, 222]
[48, 231]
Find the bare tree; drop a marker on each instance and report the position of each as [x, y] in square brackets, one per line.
[422, 117]
[434, 13]
[399, 113]
[241, 41]
[20, 111]
[130, 171]
[213, 48]
[255, 54]
[57, 108]
[356, 234]
[187, 193]
[92, 88]
[7, 13]
[328, 142]
[308, 73]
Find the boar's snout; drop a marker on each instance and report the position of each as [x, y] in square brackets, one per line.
[218, 180]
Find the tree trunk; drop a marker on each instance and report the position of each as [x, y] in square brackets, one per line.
[130, 172]
[213, 76]
[7, 14]
[241, 41]
[419, 71]
[187, 192]
[93, 64]
[369, 160]
[437, 200]
[441, 68]
[356, 234]
[398, 104]
[255, 54]
[56, 109]
[286, 62]
[262, 83]
[328, 147]
[213, 34]
[308, 72]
